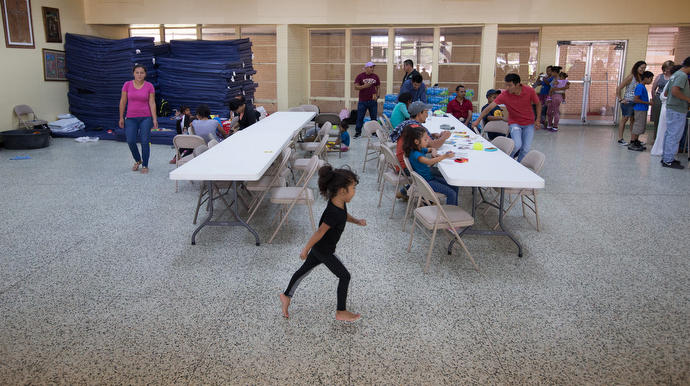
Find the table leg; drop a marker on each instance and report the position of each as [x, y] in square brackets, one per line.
[502, 232]
[208, 221]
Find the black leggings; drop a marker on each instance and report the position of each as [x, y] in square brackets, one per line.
[334, 264]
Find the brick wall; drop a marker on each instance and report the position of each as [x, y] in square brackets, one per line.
[682, 44]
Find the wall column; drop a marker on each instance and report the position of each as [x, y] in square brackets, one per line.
[487, 69]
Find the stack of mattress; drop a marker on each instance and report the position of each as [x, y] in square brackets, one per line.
[97, 68]
[209, 72]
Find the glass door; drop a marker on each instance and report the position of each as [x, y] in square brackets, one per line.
[594, 69]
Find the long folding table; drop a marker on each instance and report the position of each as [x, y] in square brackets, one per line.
[244, 156]
[492, 169]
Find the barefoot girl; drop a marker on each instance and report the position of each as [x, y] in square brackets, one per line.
[338, 186]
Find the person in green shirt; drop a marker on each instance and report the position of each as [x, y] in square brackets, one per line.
[400, 111]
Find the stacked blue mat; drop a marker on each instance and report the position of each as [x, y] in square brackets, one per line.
[209, 72]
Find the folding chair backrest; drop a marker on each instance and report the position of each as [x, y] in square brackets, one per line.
[497, 127]
[407, 163]
[322, 145]
[423, 187]
[324, 129]
[322, 118]
[24, 109]
[505, 144]
[199, 150]
[390, 156]
[534, 160]
[310, 108]
[184, 141]
[387, 123]
[371, 127]
[212, 143]
[297, 109]
[311, 169]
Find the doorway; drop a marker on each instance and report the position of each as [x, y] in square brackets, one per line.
[594, 70]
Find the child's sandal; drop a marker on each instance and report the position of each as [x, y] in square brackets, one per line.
[136, 166]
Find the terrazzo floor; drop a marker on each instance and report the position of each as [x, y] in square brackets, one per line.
[99, 283]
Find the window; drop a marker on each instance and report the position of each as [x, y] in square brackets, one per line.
[264, 49]
[327, 68]
[146, 30]
[516, 52]
[416, 44]
[661, 46]
[459, 57]
[179, 33]
[217, 33]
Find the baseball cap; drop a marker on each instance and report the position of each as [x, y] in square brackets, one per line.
[492, 91]
[369, 64]
[417, 107]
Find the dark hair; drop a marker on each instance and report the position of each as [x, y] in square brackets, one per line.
[408, 62]
[409, 134]
[183, 108]
[647, 74]
[634, 71]
[675, 68]
[344, 125]
[514, 78]
[547, 67]
[203, 111]
[138, 66]
[332, 180]
[686, 62]
[456, 89]
[556, 69]
[405, 97]
[563, 74]
[417, 78]
[235, 104]
[240, 97]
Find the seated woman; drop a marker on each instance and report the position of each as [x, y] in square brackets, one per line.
[246, 113]
[205, 125]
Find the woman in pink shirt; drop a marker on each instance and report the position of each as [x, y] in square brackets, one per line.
[139, 97]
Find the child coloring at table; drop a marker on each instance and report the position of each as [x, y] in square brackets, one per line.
[338, 187]
[415, 143]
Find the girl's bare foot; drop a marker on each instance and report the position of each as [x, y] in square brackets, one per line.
[286, 303]
[346, 316]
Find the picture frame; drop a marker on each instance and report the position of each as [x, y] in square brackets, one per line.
[51, 24]
[54, 68]
[17, 25]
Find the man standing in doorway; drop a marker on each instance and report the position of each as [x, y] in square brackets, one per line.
[518, 99]
[408, 66]
[367, 83]
[678, 90]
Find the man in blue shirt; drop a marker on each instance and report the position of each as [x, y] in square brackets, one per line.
[415, 86]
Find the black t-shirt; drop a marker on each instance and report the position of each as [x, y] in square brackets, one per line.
[249, 118]
[495, 112]
[409, 76]
[336, 219]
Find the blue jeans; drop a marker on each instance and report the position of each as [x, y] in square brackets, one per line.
[522, 135]
[439, 185]
[675, 126]
[142, 125]
[362, 108]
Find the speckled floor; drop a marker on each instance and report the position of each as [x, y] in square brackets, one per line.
[99, 283]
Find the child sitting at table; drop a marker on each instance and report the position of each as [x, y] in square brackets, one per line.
[344, 137]
[185, 119]
[415, 145]
[205, 125]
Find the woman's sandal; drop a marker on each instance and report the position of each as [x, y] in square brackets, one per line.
[144, 170]
[136, 166]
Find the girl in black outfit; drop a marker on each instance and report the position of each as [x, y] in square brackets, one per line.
[246, 113]
[338, 186]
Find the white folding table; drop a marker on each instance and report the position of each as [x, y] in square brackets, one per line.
[493, 169]
[244, 156]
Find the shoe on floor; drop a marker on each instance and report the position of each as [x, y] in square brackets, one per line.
[357, 136]
[555, 128]
[675, 161]
[638, 143]
[402, 196]
[634, 146]
[173, 161]
[672, 165]
[622, 142]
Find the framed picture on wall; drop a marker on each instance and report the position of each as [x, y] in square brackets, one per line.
[16, 21]
[54, 65]
[51, 24]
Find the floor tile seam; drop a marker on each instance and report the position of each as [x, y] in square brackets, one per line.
[489, 340]
[214, 334]
[58, 255]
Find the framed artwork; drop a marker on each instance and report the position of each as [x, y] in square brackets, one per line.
[54, 65]
[16, 21]
[51, 25]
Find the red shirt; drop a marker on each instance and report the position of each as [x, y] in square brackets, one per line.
[367, 94]
[459, 110]
[519, 106]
